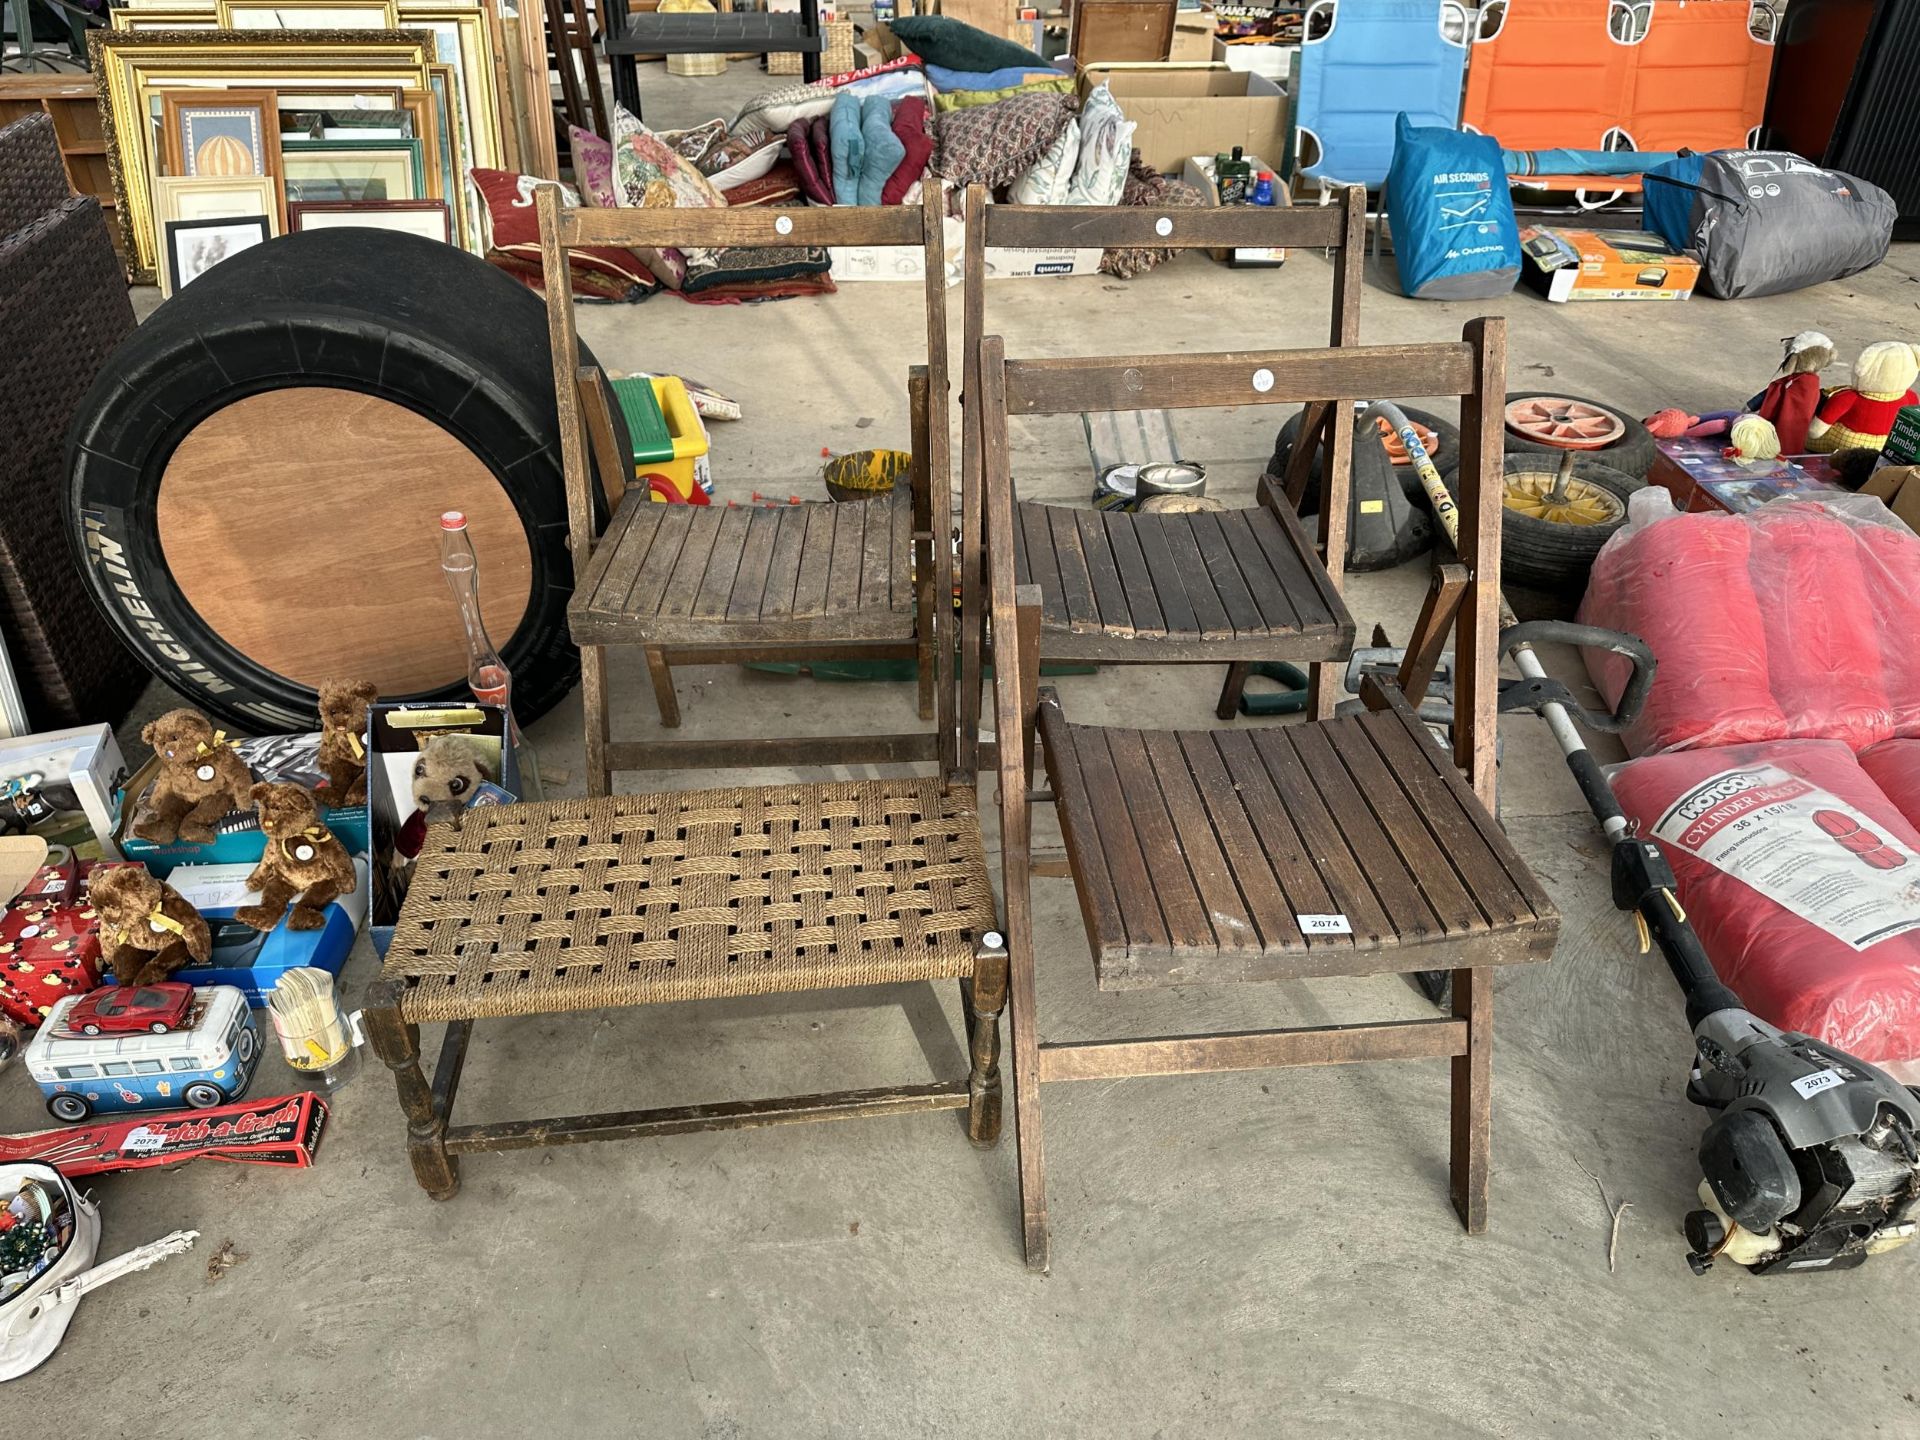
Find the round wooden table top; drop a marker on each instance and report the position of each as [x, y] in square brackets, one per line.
[304, 527]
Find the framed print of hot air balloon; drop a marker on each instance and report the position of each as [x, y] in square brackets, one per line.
[225, 133]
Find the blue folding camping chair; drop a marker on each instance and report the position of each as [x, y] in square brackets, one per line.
[1362, 62]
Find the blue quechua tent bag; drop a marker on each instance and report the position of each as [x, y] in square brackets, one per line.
[1454, 235]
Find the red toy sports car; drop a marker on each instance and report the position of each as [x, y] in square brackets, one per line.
[159, 1008]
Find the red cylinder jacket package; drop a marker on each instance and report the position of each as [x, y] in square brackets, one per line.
[1793, 621]
[1802, 879]
[1894, 766]
[1681, 585]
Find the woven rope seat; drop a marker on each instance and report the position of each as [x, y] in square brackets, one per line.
[689, 895]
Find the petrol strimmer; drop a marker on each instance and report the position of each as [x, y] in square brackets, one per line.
[1811, 1160]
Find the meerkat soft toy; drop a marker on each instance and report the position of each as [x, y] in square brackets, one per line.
[304, 862]
[201, 779]
[343, 753]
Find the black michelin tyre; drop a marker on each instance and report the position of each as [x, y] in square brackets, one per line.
[411, 321]
[1632, 454]
[1547, 544]
[1446, 461]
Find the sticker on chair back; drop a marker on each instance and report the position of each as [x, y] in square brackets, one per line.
[1324, 925]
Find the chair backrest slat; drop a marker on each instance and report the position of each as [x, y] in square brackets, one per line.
[1258, 377]
[1085, 227]
[749, 226]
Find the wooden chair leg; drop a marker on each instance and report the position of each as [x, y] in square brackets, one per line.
[398, 1045]
[1028, 618]
[1231, 689]
[1026, 1101]
[1472, 1118]
[981, 1000]
[663, 695]
[593, 700]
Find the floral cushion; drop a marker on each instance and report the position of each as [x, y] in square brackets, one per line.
[647, 170]
[592, 167]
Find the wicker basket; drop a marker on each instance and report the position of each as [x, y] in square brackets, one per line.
[696, 64]
[836, 60]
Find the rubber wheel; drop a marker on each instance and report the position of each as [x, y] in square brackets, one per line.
[89, 1030]
[1548, 543]
[70, 1108]
[1370, 460]
[1632, 454]
[200, 1095]
[159, 1027]
[410, 321]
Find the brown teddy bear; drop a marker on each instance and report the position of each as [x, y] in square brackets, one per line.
[147, 929]
[303, 863]
[201, 778]
[343, 754]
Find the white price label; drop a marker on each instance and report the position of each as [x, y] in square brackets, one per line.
[1811, 1085]
[1324, 925]
[143, 1142]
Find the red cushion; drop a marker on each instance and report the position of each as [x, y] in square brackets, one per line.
[514, 230]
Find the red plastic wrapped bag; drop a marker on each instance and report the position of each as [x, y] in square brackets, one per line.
[1791, 621]
[1802, 879]
[1680, 583]
[1894, 766]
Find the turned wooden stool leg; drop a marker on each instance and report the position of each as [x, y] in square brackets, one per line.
[398, 1045]
[981, 1000]
[663, 695]
[1472, 1098]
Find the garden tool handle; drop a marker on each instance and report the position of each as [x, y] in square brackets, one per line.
[1591, 637]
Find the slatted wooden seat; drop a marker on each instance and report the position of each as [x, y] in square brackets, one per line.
[1347, 846]
[820, 580]
[1259, 589]
[693, 575]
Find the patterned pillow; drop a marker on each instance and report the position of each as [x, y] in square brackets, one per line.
[649, 171]
[779, 186]
[746, 154]
[592, 167]
[992, 144]
[695, 143]
[513, 240]
[731, 265]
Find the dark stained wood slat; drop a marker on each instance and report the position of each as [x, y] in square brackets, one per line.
[1076, 584]
[1022, 567]
[1407, 909]
[1380, 785]
[1189, 928]
[1233, 928]
[849, 552]
[1109, 594]
[816, 562]
[876, 555]
[1169, 590]
[723, 565]
[1042, 565]
[1299, 554]
[1096, 819]
[1301, 884]
[1093, 883]
[683, 587]
[1345, 877]
[1224, 573]
[655, 226]
[1191, 567]
[783, 566]
[756, 555]
[1277, 608]
[900, 556]
[615, 547]
[1142, 604]
[1054, 227]
[650, 585]
[1266, 903]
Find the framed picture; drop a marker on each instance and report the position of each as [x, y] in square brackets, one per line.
[220, 132]
[215, 197]
[308, 14]
[428, 219]
[128, 67]
[194, 247]
[347, 170]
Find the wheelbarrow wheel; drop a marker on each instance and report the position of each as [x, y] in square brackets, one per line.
[1379, 458]
[1550, 532]
[1631, 453]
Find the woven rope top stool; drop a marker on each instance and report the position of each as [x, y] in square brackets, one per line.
[687, 895]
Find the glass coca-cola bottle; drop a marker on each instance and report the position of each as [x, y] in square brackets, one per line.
[487, 674]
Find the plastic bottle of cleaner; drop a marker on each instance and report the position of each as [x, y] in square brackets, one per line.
[487, 674]
[1232, 177]
[1263, 188]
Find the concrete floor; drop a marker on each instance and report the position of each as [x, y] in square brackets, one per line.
[1260, 1254]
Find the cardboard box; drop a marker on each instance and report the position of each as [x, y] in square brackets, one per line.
[247, 959]
[891, 262]
[1567, 264]
[1193, 35]
[1180, 110]
[1271, 59]
[1898, 488]
[1903, 439]
[84, 760]
[1700, 477]
[1198, 172]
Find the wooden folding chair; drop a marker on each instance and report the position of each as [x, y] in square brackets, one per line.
[720, 586]
[1117, 588]
[716, 894]
[1347, 846]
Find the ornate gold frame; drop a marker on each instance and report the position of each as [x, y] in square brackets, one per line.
[389, 11]
[128, 64]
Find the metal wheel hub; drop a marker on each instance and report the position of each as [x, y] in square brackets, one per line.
[1576, 502]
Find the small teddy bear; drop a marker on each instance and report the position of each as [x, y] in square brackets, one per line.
[303, 862]
[1858, 416]
[147, 928]
[201, 778]
[343, 754]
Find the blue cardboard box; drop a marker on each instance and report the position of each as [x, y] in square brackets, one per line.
[249, 960]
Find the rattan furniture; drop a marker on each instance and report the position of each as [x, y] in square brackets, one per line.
[1349, 846]
[1121, 588]
[715, 586]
